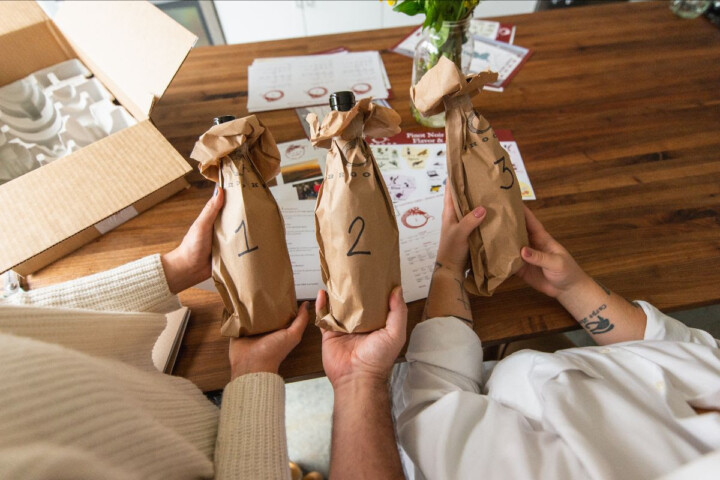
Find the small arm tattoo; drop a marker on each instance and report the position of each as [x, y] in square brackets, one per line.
[463, 295]
[601, 325]
[596, 323]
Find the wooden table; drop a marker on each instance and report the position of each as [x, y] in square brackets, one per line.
[617, 115]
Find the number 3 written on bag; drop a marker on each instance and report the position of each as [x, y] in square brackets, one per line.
[508, 170]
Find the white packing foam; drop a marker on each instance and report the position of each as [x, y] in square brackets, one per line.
[52, 113]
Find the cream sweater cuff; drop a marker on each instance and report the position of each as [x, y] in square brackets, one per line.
[251, 440]
[138, 286]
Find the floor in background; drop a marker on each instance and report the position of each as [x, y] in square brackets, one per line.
[309, 403]
[308, 419]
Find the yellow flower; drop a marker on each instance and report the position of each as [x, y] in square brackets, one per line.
[391, 2]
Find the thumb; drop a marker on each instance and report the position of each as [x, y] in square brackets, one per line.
[320, 302]
[550, 261]
[472, 220]
[211, 209]
[397, 316]
[297, 327]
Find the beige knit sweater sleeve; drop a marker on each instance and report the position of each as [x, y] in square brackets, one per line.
[79, 395]
[251, 441]
[138, 286]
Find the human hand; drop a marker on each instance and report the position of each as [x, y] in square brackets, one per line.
[453, 249]
[549, 268]
[265, 353]
[364, 356]
[189, 264]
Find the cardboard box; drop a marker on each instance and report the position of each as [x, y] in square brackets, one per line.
[134, 50]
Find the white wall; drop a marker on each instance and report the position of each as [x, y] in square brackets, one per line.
[50, 7]
[499, 8]
[248, 21]
[258, 20]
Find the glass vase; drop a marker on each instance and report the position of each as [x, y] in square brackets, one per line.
[453, 41]
[689, 8]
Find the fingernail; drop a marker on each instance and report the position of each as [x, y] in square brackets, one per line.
[216, 190]
[526, 252]
[479, 212]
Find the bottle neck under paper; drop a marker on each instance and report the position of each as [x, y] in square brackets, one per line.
[460, 102]
[353, 130]
[351, 145]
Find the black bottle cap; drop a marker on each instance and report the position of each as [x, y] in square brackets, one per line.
[223, 119]
[342, 101]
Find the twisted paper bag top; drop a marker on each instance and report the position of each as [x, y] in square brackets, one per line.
[378, 121]
[221, 140]
[446, 80]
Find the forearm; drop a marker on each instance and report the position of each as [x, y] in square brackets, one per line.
[606, 316]
[363, 438]
[447, 295]
[181, 274]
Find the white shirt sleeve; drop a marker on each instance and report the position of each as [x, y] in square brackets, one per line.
[447, 427]
[662, 327]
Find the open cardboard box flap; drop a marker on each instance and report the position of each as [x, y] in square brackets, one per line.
[29, 41]
[16, 15]
[135, 50]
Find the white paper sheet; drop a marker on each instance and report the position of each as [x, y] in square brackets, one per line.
[502, 32]
[414, 167]
[299, 218]
[499, 57]
[290, 82]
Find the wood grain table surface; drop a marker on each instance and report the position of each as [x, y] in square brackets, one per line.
[616, 114]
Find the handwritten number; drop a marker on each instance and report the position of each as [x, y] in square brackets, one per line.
[352, 251]
[508, 170]
[248, 249]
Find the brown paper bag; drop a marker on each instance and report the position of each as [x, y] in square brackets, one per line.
[354, 220]
[250, 260]
[479, 174]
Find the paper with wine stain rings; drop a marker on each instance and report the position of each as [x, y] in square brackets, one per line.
[290, 82]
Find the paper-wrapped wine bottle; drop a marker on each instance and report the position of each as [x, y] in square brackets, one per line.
[480, 173]
[354, 217]
[250, 260]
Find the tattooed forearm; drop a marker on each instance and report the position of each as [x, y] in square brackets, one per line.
[463, 295]
[608, 292]
[447, 296]
[605, 289]
[437, 267]
[596, 323]
[601, 325]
